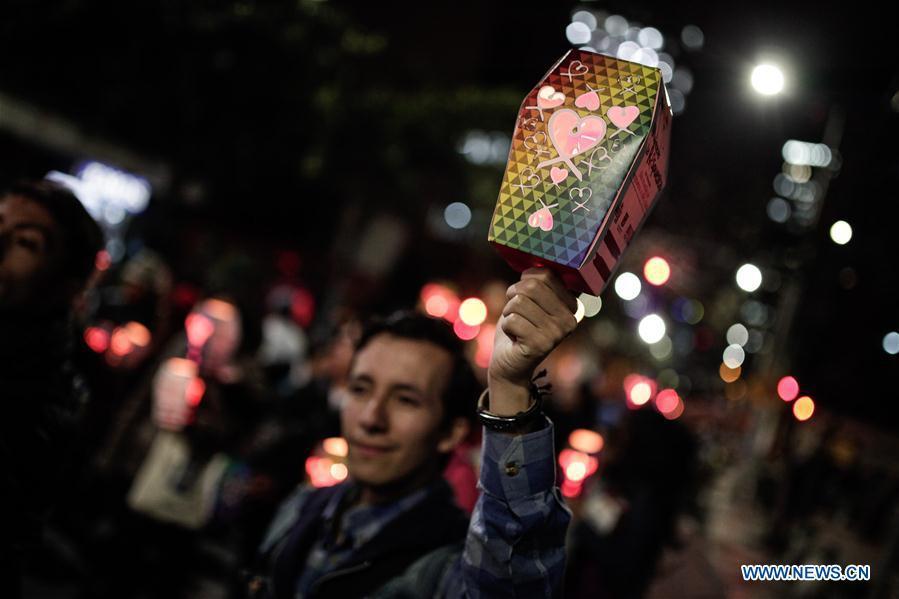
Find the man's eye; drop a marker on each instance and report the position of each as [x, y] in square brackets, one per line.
[357, 389]
[28, 243]
[409, 401]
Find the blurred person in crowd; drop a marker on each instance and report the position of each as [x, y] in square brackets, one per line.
[171, 442]
[630, 515]
[48, 247]
[393, 528]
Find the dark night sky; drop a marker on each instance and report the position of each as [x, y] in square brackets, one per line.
[226, 94]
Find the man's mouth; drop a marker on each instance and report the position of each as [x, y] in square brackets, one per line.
[366, 450]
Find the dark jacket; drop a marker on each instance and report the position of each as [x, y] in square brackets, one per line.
[39, 402]
[434, 528]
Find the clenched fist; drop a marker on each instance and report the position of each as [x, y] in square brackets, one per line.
[539, 314]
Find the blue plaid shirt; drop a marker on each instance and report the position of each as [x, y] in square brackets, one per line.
[515, 545]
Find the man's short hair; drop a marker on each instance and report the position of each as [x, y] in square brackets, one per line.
[461, 393]
[82, 237]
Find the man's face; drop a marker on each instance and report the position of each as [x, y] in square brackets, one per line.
[29, 252]
[393, 414]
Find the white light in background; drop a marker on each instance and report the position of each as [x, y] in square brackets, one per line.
[650, 37]
[627, 286]
[682, 79]
[651, 329]
[692, 37]
[592, 304]
[778, 210]
[749, 277]
[805, 153]
[891, 343]
[661, 350]
[767, 79]
[457, 215]
[586, 17]
[738, 334]
[577, 33]
[616, 25]
[841, 232]
[734, 356]
[579, 313]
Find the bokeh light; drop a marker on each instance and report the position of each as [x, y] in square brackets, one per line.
[667, 400]
[803, 408]
[733, 356]
[787, 388]
[336, 446]
[676, 412]
[841, 232]
[779, 210]
[473, 311]
[891, 343]
[749, 277]
[592, 304]
[579, 313]
[728, 374]
[737, 334]
[457, 215]
[464, 331]
[585, 440]
[692, 37]
[651, 328]
[767, 79]
[627, 286]
[656, 271]
[641, 393]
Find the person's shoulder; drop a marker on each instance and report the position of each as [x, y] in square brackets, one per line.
[426, 577]
[288, 513]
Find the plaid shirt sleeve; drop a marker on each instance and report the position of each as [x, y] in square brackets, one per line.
[516, 540]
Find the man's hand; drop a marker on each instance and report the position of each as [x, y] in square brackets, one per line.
[539, 314]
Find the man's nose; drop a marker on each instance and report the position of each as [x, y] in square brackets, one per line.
[374, 415]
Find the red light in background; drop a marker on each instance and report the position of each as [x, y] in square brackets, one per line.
[576, 467]
[199, 328]
[485, 345]
[586, 441]
[97, 339]
[803, 408]
[325, 472]
[102, 261]
[120, 344]
[657, 271]
[336, 446]
[465, 332]
[788, 388]
[667, 401]
[193, 393]
[440, 301]
[138, 334]
[676, 412]
[302, 307]
[288, 263]
[639, 390]
[436, 306]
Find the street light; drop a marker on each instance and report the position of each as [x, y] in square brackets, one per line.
[767, 79]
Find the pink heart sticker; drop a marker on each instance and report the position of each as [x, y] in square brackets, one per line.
[548, 97]
[558, 174]
[542, 219]
[623, 116]
[572, 135]
[590, 101]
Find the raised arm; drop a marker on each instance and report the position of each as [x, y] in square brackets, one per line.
[516, 541]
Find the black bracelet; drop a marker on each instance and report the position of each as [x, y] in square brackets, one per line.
[522, 421]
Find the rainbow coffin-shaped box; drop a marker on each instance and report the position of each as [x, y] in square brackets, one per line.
[589, 159]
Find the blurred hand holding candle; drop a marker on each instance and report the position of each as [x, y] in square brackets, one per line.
[589, 159]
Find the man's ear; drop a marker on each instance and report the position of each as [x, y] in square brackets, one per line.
[454, 434]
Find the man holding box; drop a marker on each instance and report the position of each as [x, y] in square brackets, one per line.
[393, 530]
